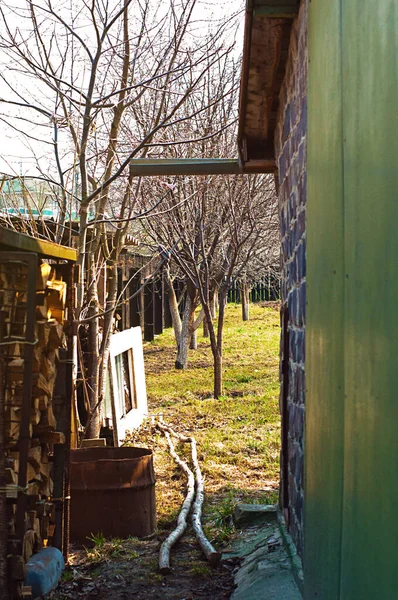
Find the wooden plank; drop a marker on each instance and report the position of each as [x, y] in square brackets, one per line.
[370, 100]
[149, 331]
[324, 429]
[285, 11]
[275, 8]
[19, 241]
[275, 3]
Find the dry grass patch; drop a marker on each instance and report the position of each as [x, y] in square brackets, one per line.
[238, 435]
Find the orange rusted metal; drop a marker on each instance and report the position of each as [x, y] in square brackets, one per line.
[112, 492]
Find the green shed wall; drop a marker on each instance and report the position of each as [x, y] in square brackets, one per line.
[351, 438]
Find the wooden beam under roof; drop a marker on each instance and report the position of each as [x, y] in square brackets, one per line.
[284, 9]
[150, 167]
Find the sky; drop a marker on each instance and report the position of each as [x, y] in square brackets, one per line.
[19, 153]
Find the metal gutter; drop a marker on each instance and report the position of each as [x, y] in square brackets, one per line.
[149, 167]
[10, 239]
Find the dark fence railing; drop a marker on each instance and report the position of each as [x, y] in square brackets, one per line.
[265, 290]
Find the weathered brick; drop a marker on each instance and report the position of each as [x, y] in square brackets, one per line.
[301, 260]
[302, 157]
[293, 204]
[302, 188]
[298, 470]
[290, 149]
[286, 128]
[293, 114]
[300, 380]
[282, 227]
[299, 347]
[298, 509]
[300, 222]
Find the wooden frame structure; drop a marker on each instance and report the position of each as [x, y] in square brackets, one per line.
[124, 418]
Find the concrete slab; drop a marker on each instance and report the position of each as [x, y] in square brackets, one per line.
[266, 571]
[255, 513]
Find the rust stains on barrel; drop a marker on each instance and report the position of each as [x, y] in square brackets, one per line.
[113, 492]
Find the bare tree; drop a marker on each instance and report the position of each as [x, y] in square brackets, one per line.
[211, 235]
[211, 227]
[100, 83]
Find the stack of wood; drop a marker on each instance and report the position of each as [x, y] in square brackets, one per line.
[49, 334]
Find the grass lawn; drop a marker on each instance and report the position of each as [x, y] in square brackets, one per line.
[238, 435]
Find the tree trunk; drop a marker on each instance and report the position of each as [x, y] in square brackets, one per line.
[186, 333]
[214, 304]
[245, 302]
[81, 262]
[217, 375]
[217, 357]
[93, 425]
[175, 314]
[205, 328]
[107, 333]
[193, 345]
[218, 379]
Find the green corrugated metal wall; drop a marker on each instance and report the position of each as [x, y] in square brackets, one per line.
[351, 525]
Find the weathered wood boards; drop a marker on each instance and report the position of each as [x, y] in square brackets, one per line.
[267, 34]
[39, 511]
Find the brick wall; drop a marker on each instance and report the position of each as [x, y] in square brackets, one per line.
[290, 149]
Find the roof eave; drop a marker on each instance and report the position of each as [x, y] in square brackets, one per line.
[262, 75]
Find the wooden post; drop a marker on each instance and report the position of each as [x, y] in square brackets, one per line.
[166, 306]
[149, 330]
[60, 411]
[142, 299]
[158, 305]
[135, 303]
[245, 302]
[126, 303]
[3, 495]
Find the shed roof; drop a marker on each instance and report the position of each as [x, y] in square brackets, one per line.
[14, 240]
[266, 43]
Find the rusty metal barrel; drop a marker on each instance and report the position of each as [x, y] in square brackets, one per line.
[112, 492]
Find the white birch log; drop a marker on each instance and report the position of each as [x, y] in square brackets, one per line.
[208, 549]
[164, 554]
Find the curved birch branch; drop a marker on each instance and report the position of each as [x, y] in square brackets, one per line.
[208, 549]
[164, 554]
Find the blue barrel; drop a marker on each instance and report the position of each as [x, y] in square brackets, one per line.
[44, 570]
